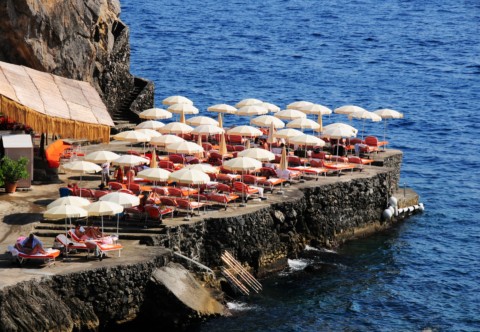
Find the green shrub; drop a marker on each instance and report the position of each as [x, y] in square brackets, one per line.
[13, 170]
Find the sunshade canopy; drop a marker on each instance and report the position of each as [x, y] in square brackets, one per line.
[166, 139]
[154, 174]
[257, 153]
[247, 131]
[201, 120]
[189, 176]
[176, 100]
[242, 164]
[53, 104]
[155, 114]
[267, 120]
[101, 156]
[222, 108]
[296, 105]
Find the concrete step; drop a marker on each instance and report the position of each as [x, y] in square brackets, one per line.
[150, 229]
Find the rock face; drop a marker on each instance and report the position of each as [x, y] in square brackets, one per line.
[78, 39]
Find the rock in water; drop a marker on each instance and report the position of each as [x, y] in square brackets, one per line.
[187, 289]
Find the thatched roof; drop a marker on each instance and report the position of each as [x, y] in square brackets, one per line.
[53, 104]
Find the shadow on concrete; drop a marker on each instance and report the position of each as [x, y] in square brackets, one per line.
[22, 218]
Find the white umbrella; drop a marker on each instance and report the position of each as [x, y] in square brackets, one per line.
[105, 208]
[69, 200]
[248, 102]
[176, 100]
[288, 133]
[342, 126]
[202, 120]
[101, 157]
[222, 108]
[365, 115]
[242, 164]
[257, 153]
[154, 174]
[385, 114]
[166, 139]
[207, 168]
[347, 109]
[82, 167]
[155, 114]
[150, 124]
[183, 108]
[267, 120]
[124, 199]
[149, 132]
[271, 107]
[184, 148]
[130, 160]
[175, 128]
[298, 104]
[303, 123]
[66, 211]
[132, 136]
[207, 130]
[290, 114]
[305, 140]
[247, 131]
[190, 177]
[251, 110]
[315, 109]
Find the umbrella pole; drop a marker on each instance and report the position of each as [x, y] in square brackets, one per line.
[101, 217]
[118, 221]
[385, 133]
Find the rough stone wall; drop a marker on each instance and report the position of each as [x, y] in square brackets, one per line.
[320, 215]
[78, 301]
[79, 39]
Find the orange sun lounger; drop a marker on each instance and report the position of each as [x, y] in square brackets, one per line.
[21, 257]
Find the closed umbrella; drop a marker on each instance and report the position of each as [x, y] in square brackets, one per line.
[266, 121]
[290, 114]
[176, 128]
[248, 102]
[220, 120]
[303, 123]
[176, 100]
[298, 105]
[258, 154]
[155, 114]
[385, 114]
[100, 157]
[153, 160]
[283, 168]
[105, 208]
[271, 135]
[202, 120]
[150, 124]
[222, 148]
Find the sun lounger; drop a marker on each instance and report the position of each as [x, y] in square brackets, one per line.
[21, 257]
[221, 199]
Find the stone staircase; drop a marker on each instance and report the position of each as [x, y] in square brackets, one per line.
[148, 233]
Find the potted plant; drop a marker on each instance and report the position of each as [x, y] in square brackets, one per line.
[11, 171]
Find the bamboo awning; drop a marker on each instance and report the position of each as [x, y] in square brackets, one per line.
[53, 104]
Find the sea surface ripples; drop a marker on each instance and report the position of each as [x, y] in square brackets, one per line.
[420, 57]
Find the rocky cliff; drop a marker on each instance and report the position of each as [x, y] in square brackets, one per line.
[79, 39]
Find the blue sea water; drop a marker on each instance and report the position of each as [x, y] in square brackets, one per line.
[420, 57]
